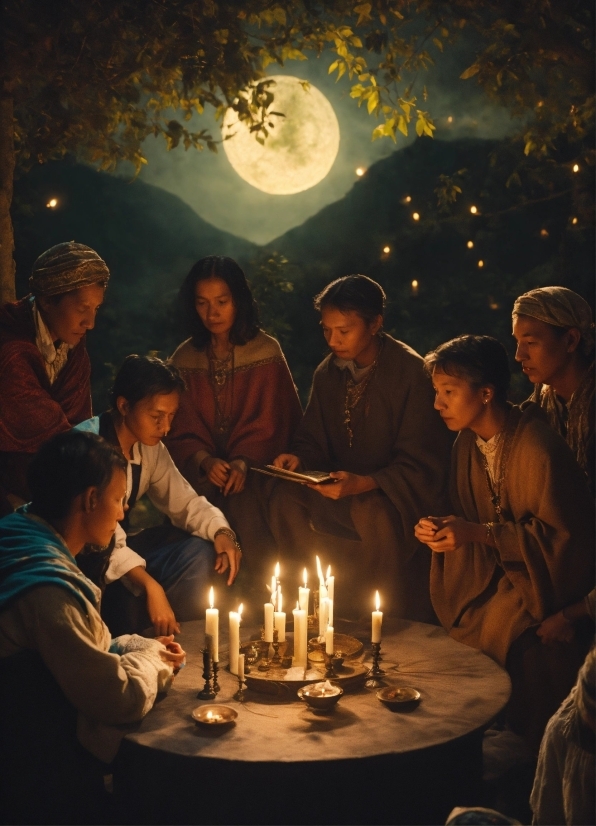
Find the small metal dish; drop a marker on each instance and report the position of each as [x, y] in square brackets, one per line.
[319, 698]
[398, 696]
[214, 715]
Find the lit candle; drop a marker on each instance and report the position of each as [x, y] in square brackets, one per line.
[277, 575]
[329, 640]
[304, 594]
[268, 622]
[279, 620]
[273, 585]
[212, 627]
[329, 611]
[323, 617]
[300, 636]
[377, 621]
[279, 598]
[241, 667]
[235, 639]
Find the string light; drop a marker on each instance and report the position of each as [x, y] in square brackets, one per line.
[576, 167]
[473, 210]
[450, 119]
[481, 263]
[386, 250]
[470, 245]
[407, 199]
[544, 233]
[493, 305]
[360, 171]
[574, 220]
[415, 216]
[414, 284]
[52, 203]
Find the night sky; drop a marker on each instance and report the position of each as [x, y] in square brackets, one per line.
[213, 189]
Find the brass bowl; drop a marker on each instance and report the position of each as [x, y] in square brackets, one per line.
[395, 697]
[214, 715]
[318, 698]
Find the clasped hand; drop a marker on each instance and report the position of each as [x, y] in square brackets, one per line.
[446, 533]
[229, 477]
[173, 653]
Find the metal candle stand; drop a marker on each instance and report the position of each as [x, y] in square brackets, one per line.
[207, 693]
[330, 666]
[375, 672]
[240, 695]
[276, 659]
[216, 686]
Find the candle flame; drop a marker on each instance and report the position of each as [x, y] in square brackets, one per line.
[211, 598]
[277, 570]
[209, 715]
[377, 601]
[305, 577]
[240, 609]
[319, 569]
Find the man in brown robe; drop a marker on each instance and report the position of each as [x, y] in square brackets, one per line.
[388, 442]
[44, 367]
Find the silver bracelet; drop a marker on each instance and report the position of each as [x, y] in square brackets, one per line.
[230, 534]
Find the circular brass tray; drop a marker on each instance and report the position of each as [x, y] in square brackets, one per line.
[283, 681]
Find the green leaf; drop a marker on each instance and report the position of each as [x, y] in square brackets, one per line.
[470, 72]
[373, 101]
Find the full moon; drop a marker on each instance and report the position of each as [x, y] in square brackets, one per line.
[301, 147]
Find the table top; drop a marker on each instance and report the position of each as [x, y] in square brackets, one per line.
[462, 691]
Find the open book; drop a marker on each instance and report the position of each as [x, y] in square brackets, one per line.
[305, 477]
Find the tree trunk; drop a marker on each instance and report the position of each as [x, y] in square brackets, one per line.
[7, 164]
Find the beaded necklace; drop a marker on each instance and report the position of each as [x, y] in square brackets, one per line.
[221, 378]
[355, 392]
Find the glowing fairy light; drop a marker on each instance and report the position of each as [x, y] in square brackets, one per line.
[450, 119]
[414, 284]
[52, 203]
[470, 245]
[576, 167]
[574, 220]
[544, 233]
[360, 171]
[415, 216]
[481, 263]
[386, 250]
[407, 199]
[473, 210]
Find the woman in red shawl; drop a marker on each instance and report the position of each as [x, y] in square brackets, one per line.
[241, 407]
[44, 367]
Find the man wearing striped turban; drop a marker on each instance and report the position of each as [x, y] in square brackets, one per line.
[554, 331]
[44, 367]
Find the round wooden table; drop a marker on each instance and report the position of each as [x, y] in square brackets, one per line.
[281, 763]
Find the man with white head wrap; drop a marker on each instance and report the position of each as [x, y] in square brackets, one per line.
[554, 330]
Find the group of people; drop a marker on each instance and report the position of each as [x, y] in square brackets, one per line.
[491, 534]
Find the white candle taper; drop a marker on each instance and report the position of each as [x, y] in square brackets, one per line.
[377, 621]
[212, 626]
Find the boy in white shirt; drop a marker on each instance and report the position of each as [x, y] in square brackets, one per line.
[170, 564]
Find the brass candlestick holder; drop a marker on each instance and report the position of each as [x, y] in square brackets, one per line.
[276, 659]
[216, 686]
[330, 666]
[375, 673]
[240, 695]
[207, 692]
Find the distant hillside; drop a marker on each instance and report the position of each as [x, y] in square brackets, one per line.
[148, 237]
